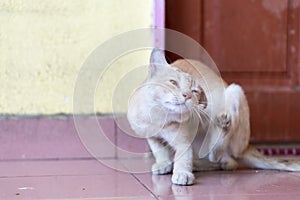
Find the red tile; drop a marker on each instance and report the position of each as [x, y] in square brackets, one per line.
[39, 138]
[97, 135]
[56, 168]
[90, 179]
[137, 166]
[230, 185]
[44, 138]
[70, 187]
[128, 143]
[234, 197]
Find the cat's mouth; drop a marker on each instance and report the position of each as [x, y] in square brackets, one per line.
[176, 105]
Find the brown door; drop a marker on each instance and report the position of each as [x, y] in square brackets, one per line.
[254, 43]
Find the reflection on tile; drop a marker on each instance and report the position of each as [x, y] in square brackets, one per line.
[91, 179]
[233, 197]
[137, 166]
[234, 185]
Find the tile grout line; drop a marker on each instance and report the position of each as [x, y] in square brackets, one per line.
[139, 181]
[153, 194]
[116, 155]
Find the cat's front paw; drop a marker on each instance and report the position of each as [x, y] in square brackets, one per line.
[183, 178]
[224, 121]
[162, 168]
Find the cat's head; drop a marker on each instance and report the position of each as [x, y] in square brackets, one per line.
[171, 88]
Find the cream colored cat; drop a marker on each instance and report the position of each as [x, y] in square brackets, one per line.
[188, 109]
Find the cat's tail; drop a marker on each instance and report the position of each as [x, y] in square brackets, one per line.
[254, 159]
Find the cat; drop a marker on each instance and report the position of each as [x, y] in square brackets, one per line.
[185, 108]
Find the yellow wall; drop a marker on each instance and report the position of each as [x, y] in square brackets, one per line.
[43, 44]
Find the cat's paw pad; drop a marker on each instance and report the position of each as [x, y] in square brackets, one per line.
[183, 178]
[224, 121]
[162, 168]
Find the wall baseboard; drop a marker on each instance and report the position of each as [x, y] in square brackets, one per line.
[57, 138]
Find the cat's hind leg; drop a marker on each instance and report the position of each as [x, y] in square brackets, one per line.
[237, 106]
[227, 123]
[220, 136]
[223, 121]
[163, 163]
[237, 129]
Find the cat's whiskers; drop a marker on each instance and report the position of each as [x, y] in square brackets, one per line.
[198, 115]
[199, 112]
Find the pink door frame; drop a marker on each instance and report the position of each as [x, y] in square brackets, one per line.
[159, 22]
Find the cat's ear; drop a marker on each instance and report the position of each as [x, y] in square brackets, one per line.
[157, 61]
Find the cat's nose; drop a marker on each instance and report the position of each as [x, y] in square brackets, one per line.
[187, 95]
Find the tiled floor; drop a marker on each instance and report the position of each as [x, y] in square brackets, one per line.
[90, 179]
[45, 158]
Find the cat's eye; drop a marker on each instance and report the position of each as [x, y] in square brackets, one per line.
[173, 82]
[195, 91]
